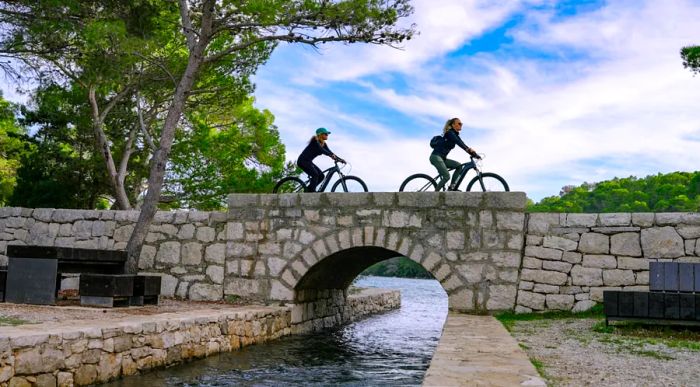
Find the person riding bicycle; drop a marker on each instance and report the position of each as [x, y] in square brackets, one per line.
[317, 146]
[438, 157]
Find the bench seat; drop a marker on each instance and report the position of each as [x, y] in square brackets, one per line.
[673, 297]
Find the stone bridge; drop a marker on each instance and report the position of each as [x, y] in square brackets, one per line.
[303, 247]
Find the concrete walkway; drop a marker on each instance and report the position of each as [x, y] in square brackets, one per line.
[479, 351]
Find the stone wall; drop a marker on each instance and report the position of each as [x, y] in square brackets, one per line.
[187, 248]
[569, 259]
[89, 352]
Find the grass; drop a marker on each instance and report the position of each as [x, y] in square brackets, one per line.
[508, 319]
[11, 321]
[669, 335]
[539, 366]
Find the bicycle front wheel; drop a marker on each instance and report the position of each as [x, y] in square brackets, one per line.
[349, 184]
[490, 182]
[419, 182]
[289, 184]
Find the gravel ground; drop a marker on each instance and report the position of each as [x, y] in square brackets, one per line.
[573, 354]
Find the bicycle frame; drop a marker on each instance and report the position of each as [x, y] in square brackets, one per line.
[328, 176]
[466, 167]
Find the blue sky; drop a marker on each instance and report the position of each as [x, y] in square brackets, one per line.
[552, 92]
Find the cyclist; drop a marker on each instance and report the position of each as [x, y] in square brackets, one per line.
[317, 146]
[438, 157]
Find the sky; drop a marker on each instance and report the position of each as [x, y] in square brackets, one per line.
[552, 93]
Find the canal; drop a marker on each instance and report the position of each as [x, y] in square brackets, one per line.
[391, 349]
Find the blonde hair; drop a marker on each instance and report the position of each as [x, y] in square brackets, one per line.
[448, 125]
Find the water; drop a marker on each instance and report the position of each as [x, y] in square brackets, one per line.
[393, 348]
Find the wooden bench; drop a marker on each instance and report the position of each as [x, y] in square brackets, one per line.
[109, 290]
[33, 272]
[673, 297]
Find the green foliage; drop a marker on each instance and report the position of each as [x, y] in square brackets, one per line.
[397, 267]
[11, 321]
[672, 192]
[62, 170]
[691, 58]
[14, 144]
[244, 154]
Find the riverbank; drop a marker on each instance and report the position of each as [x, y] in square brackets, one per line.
[69, 345]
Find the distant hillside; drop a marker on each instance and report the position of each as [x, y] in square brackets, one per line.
[672, 192]
[397, 267]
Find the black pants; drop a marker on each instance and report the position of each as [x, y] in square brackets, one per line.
[314, 173]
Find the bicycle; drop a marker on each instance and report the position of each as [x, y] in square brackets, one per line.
[487, 181]
[346, 182]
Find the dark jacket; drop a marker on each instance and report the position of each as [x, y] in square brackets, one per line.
[451, 139]
[313, 150]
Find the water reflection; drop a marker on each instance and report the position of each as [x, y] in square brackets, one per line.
[394, 348]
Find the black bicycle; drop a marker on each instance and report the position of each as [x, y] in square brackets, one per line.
[484, 181]
[345, 183]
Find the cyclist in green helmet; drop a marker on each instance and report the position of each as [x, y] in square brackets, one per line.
[317, 146]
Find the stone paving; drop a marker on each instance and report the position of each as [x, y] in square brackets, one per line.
[479, 351]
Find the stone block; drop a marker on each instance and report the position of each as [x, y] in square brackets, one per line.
[688, 232]
[526, 285]
[462, 300]
[501, 297]
[615, 219]
[581, 220]
[559, 301]
[563, 267]
[539, 223]
[627, 243]
[586, 276]
[618, 277]
[532, 263]
[643, 219]
[510, 220]
[594, 243]
[572, 257]
[505, 200]
[668, 218]
[632, 263]
[559, 243]
[205, 292]
[599, 261]
[662, 242]
[583, 305]
[168, 253]
[543, 288]
[543, 253]
[544, 276]
[534, 301]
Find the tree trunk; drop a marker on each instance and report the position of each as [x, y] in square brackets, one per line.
[160, 158]
[103, 146]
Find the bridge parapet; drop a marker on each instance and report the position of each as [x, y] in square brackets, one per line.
[302, 247]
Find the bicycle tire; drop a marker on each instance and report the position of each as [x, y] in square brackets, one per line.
[289, 184]
[419, 182]
[492, 183]
[357, 186]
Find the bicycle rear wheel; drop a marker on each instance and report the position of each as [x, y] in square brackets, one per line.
[352, 183]
[419, 182]
[491, 183]
[289, 184]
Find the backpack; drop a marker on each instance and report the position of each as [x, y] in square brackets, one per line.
[436, 141]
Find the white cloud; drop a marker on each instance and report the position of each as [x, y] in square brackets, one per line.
[616, 102]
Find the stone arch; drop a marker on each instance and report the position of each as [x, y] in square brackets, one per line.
[353, 250]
